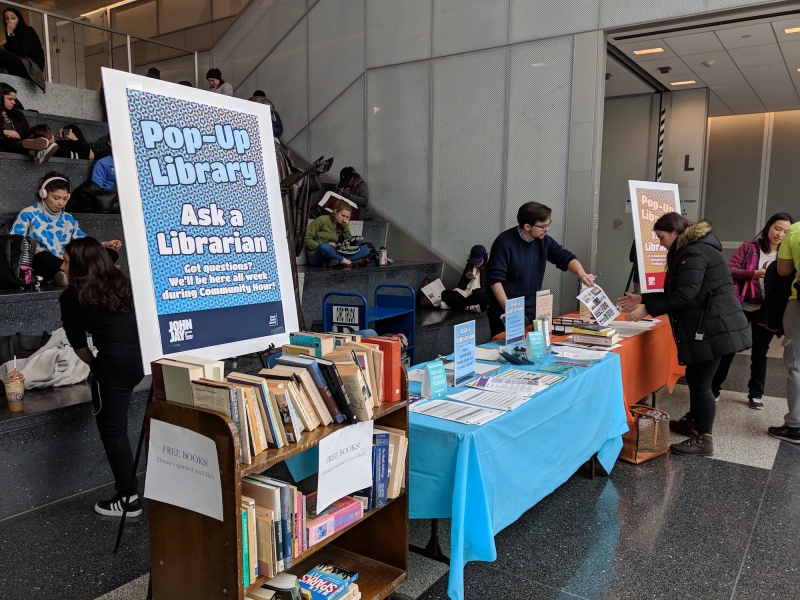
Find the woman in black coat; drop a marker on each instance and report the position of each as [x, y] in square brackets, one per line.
[706, 317]
[23, 52]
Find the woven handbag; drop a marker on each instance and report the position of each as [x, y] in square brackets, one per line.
[648, 436]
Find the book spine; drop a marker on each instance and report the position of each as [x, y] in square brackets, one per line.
[339, 392]
[286, 526]
[299, 523]
[591, 339]
[325, 391]
[381, 468]
[349, 513]
[245, 550]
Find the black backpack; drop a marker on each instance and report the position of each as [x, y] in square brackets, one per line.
[16, 258]
[89, 197]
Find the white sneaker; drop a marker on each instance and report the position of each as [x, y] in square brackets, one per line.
[716, 399]
[46, 154]
[475, 308]
[444, 305]
[60, 279]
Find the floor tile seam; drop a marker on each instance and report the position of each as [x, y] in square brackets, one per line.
[70, 497]
[750, 537]
[549, 587]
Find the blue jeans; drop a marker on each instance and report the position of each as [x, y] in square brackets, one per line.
[326, 252]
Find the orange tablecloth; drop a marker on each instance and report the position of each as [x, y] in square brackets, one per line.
[649, 361]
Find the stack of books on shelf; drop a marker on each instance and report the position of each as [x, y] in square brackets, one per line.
[595, 335]
[343, 380]
[280, 523]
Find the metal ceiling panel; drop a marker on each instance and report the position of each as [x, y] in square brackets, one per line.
[750, 35]
[755, 56]
[696, 43]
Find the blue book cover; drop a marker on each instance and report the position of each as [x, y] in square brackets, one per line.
[245, 549]
[309, 341]
[327, 581]
[380, 468]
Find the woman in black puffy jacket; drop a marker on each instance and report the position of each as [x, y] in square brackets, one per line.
[23, 50]
[706, 317]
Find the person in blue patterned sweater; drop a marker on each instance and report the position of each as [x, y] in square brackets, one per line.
[53, 228]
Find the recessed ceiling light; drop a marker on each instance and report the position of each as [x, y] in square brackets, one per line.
[792, 30]
[648, 51]
[687, 82]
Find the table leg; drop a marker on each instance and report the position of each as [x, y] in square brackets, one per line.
[654, 399]
[433, 550]
[593, 466]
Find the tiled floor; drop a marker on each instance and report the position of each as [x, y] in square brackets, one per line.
[674, 527]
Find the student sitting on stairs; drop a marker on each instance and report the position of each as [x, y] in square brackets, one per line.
[52, 228]
[325, 235]
[16, 127]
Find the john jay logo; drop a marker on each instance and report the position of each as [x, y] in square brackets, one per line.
[180, 331]
[273, 320]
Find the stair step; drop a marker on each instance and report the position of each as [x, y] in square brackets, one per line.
[60, 99]
[92, 130]
[373, 232]
[21, 174]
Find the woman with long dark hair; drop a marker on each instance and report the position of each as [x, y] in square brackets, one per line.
[748, 267]
[22, 55]
[16, 127]
[99, 300]
[707, 319]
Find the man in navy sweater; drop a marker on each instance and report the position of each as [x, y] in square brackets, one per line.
[518, 260]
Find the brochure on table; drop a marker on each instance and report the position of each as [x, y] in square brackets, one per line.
[203, 219]
[434, 380]
[515, 320]
[464, 356]
[650, 201]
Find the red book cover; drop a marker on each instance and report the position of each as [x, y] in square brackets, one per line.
[392, 366]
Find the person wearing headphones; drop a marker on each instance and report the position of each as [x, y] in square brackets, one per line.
[53, 228]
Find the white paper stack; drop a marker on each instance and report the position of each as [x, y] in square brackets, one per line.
[455, 411]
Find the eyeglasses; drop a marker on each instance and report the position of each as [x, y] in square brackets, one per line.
[545, 226]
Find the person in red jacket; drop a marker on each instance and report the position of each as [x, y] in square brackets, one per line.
[748, 267]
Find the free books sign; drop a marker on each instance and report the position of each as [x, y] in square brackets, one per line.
[203, 218]
[649, 202]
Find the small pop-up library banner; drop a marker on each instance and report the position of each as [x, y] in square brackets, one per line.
[650, 201]
[203, 219]
[434, 380]
[515, 320]
[183, 470]
[544, 305]
[464, 358]
[345, 463]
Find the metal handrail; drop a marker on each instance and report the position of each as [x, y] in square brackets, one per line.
[128, 37]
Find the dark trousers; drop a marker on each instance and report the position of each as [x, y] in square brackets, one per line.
[116, 370]
[73, 149]
[702, 407]
[758, 359]
[458, 302]
[8, 144]
[12, 63]
[46, 265]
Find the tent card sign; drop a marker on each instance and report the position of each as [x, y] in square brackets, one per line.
[515, 320]
[203, 219]
[345, 463]
[535, 346]
[464, 357]
[434, 380]
[183, 470]
[650, 201]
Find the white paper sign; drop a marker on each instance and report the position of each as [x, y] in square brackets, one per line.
[183, 470]
[345, 463]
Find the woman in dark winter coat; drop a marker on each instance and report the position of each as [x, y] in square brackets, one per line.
[22, 55]
[749, 267]
[707, 319]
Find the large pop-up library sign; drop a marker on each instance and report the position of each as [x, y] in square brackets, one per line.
[201, 209]
[211, 274]
[650, 201]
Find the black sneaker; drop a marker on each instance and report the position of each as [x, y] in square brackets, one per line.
[113, 507]
[756, 403]
[787, 434]
[683, 427]
[696, 445]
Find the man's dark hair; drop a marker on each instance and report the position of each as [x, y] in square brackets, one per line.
[531, 213]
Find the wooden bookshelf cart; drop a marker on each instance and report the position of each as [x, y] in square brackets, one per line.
[195, 556]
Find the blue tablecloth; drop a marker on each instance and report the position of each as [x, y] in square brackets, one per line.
[484, 478]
